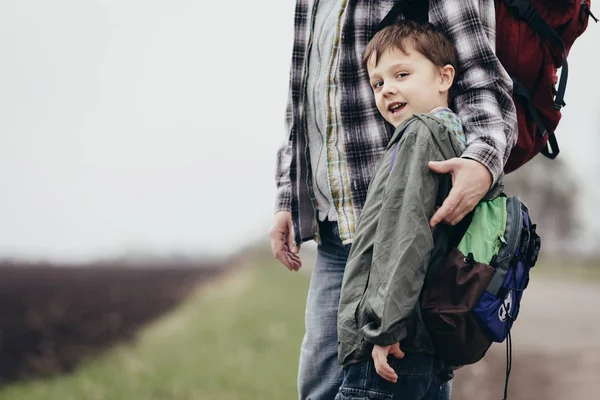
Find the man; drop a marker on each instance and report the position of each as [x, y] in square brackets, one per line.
[335, 136]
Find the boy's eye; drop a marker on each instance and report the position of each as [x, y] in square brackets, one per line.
[401, 75]
[377, 84]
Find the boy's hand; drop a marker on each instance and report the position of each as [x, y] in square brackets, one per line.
[382, 367]
[471, 180]
[282, 241]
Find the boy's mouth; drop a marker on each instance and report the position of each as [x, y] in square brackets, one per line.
[396, 107]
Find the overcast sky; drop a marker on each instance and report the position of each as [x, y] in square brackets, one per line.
[153, 125]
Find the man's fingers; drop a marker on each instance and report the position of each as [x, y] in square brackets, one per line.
[295, 249]
[283, 258]
[464, 206]
[294, 261]
[277, 242]
[290, 237]
[443, 167]
[470, 181]
[446, 209]
[289, 259]
[459, 215]
[281, 238]
[437, 217]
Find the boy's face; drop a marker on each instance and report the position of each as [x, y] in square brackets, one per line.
[408, 83]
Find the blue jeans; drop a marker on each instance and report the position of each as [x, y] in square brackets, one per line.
[417, 380]
[320, 375]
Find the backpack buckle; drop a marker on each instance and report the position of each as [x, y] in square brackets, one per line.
[523, 8]
[533, 252]
[524, 245]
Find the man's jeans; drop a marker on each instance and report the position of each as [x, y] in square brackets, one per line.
[320, 375]
[417, 380]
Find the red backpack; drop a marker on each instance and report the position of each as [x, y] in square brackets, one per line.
[533, 39]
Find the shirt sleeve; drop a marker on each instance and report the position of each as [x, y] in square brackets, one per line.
[403, 242]
[283, 199]
[483, 88]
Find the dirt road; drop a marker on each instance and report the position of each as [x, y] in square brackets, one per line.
[556, 348]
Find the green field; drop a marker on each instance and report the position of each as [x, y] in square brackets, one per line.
[236, 338]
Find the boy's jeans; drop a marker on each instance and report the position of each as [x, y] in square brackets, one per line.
[417, 380]
[320, 375]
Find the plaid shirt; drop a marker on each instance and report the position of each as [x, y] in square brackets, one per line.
[482, 100]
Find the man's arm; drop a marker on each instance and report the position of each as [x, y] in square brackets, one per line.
[281, 233]
[483, 88]
[483, 101]
[402, 245]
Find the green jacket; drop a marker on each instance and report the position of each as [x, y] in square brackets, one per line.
[394, 243]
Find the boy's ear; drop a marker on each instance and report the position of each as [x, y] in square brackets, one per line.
[447, 74]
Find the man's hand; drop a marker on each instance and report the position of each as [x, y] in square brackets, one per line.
[471, 180]
[382, 367]
[282, 241]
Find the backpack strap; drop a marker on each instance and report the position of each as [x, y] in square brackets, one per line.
[586, 9]
[414, 10]
[519, 90]
[527, 12]
[551, 150]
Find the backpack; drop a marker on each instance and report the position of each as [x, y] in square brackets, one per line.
[473, 297]
[533, 39]
[543, 31]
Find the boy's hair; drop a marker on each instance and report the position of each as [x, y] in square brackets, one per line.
[424, 37]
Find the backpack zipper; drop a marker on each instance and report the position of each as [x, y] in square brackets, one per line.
[513, 209]
[502, 262]
[586, 9]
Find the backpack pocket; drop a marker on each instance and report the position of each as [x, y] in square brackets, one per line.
[447, 303]
[470, 301]
[498, 313]
[499, 304]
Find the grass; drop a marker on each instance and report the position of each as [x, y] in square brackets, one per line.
[237, 338]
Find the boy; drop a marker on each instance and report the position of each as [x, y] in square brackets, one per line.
[411, 69]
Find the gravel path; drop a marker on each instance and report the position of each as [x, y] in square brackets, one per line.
[556, 348]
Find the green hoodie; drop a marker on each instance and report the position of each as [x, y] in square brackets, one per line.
[394, 243]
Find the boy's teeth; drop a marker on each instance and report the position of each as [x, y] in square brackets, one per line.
[395, 107]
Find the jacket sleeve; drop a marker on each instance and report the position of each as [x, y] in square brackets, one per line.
[283, 199]
[403, 242]
[483, 88]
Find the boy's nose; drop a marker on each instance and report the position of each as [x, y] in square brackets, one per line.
[389, 88]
